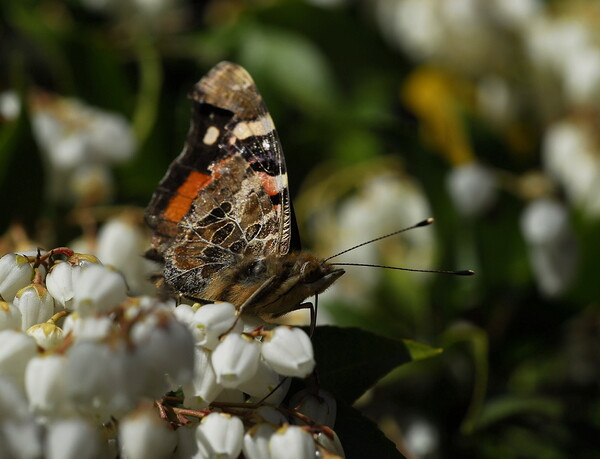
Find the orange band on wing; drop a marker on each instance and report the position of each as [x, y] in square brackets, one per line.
[269, 183]
[180, 204]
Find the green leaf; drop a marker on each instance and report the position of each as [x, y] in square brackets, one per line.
[500, 409]
[351, 360]
[360, 436]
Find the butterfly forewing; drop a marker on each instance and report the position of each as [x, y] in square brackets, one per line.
[226, 196]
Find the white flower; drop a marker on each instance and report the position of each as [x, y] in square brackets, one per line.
[35, 304]
[89, 383]
[422, 438]
[72, 438]
[262, 383]
[45, 383]
[92, 181]
[59, 282]
[571, 156]
[13, 404]
[235, 360]
[211, 321]
[331, 445]
[15, 273]
[23, 439]
[98, 289]
[552, 249]
[204, 387]
[544, 222]
[187, 445]
[582, 76]
[289, 352]
[221, 435]
[273, 397]
[143, 435]
[48, 336]
[10, 316]
[256, 441]
[291, 442]
[165, 348]
[16, 349]
[120, 243]
[473, 188]
[58, 122]
[88, 328]
[321, 408]
[10, 105]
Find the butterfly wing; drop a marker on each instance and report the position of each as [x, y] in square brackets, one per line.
[226, 196]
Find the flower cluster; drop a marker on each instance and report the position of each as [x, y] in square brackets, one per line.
[519, 66]
[86, 371]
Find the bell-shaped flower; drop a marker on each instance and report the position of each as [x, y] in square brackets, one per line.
[165, 346]
[45, 383]
[98, 289]
[35, 303]
[289, 351]
[204, 387]
[10, 316]
[48, 336]
[235, 360]
[72, 438]
[292, 442]
[59, 282]
[16, 349]
[320, 408]
[211, 321]
[221, 434]
[15, 273]
[144, 435]
[256, 441]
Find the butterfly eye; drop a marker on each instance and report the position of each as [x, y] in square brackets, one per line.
[310, 272]
[256, 268]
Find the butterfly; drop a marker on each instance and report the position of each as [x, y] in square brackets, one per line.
[222, 219]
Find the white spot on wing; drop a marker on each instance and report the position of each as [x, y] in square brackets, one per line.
[261, 126]
[211, 135]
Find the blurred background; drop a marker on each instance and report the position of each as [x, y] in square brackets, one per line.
[484, 114]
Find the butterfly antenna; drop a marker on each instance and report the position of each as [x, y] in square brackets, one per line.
[463, 272]
[425, 222]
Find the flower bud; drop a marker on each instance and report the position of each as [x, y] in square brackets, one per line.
[45, 383]
[15, 273]
[59, 282]
[16, 349]
[98, 289]
[235, 360]
[289, 352]
[256, 441]
[473, 188]
[211, 321]
[320, 408]
[10, 316]
[48, 336]
[333, 446]
[291, 442]
[221, 434]
[72, 438]
[144, 435]
[35, 303]
[204, 388]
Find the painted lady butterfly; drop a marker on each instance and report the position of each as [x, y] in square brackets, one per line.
[222, 220]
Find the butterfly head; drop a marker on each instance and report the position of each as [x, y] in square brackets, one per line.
[282, 283]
